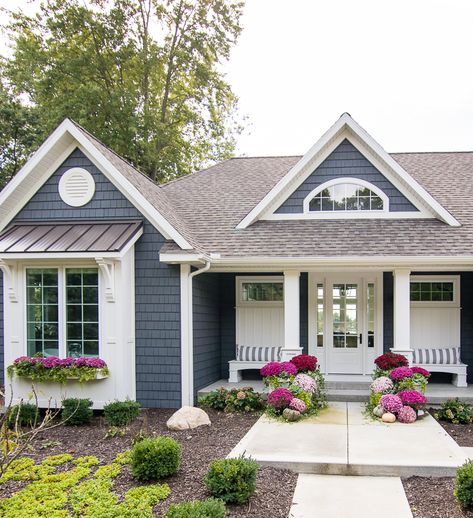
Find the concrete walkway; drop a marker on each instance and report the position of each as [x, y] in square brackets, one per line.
[321, 496]
[341, 441]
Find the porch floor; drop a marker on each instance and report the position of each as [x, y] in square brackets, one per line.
[355, 389]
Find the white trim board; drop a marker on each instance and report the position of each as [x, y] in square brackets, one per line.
[347, 128]
[51, 154]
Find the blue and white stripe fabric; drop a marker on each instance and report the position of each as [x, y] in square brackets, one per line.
[446, 356]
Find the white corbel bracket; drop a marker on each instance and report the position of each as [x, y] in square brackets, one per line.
[108, 271]
[9, 277]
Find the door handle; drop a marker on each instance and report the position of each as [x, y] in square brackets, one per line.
[361, 338]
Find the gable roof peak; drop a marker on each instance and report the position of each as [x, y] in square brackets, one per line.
[346, 128]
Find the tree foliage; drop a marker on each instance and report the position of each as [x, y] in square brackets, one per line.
[141, 75]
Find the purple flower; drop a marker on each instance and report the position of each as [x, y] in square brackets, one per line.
[391, 403]
[51, 362]
[22, 359]
[298, 404]
[305, 383]
[280, 398]
[401, 373]
[412, 397]
[278, 368]
[406, 415]
[382, 384]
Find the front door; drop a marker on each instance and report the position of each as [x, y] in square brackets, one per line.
[345, 318]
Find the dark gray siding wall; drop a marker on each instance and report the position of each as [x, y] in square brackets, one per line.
[157, 286]
[206, 313]
[466, 323]
[388, 315]
[346, 161]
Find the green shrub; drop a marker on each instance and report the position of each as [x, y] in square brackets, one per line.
[217, 399]
[455, 412]
[234, 400]
[210, 508]
[28, 415]
[76, 411]
[121, 413]
[464, 484]
[152, 459]
[232, 480]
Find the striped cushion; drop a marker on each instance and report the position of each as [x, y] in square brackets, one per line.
[448, 356]
[251, 353]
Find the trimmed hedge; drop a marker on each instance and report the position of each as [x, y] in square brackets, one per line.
[121, 413]
[76, 412]
[152, 459]
[232, 480]
[464, 484]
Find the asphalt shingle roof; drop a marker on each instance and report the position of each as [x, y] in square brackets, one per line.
[213, 201]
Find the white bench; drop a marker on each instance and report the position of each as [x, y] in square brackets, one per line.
[442, 360]
[251, 357]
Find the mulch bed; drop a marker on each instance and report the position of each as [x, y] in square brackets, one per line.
[433, 497]
[200, 446]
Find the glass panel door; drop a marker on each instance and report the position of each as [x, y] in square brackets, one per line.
[345, 315]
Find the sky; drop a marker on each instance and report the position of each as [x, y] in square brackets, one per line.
[403, 69]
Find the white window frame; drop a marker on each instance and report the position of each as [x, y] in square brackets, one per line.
[257, 279]
[62, 316]
[455, 279]
[342, 213]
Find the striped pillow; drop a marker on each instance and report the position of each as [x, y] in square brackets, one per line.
[447, 356]
[251, 353]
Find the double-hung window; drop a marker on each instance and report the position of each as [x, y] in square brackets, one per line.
[62, 308]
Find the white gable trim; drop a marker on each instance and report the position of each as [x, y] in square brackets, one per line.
[347, 128]
[346, 179]
[52, 153]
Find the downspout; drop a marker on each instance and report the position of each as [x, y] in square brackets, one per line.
[188, 399]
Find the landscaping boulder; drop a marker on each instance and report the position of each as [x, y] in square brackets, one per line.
[188, 417]
[388, 417]
[291, 415]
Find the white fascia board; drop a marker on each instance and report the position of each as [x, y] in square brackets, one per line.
[177, 258]
[327, 262]
[70, 137]
[345, 127]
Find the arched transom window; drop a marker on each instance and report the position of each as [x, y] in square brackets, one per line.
[346, 194]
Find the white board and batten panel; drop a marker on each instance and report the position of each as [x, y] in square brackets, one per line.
[436, 324]
[259, 323]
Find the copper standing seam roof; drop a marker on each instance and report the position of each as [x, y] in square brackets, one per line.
[57, 237]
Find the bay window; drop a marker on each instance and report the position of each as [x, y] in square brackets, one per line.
[62, 311]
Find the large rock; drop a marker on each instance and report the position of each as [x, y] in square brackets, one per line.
[188, 417]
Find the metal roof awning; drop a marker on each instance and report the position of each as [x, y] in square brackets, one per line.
[59, 238]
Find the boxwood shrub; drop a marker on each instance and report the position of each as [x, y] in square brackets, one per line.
[210, 508]
[152, 459]
[232, 480]
[28, 415]
[121, 413]
[76, 411]
[464, 484]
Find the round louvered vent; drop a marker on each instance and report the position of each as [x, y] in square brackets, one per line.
[76, 187]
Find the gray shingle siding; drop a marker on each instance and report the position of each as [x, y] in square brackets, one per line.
[206, 327]
[157, 285]
[345, 161]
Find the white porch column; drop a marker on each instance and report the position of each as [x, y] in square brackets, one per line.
[291, 315]
[187, 375]
[402, 313]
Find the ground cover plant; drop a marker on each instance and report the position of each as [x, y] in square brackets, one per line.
[82, 488]
[456, 412]
[297, 388]
[397, 390]
[234, 400]
[199, 448]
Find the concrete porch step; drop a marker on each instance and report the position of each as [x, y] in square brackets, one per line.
[342, 441]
